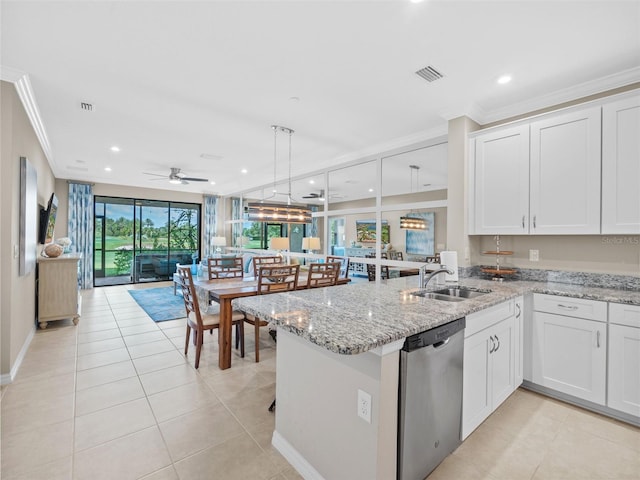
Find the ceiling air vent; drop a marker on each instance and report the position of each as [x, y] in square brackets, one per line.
[429, 73]
[88, 107]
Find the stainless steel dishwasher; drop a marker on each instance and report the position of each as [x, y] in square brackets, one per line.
[430, 399]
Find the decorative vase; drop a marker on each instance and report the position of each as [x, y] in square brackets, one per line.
[194, 268]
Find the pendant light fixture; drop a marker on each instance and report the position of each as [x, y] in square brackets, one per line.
[279, 212]
[411, 221]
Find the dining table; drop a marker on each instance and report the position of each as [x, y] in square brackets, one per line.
[223, 291]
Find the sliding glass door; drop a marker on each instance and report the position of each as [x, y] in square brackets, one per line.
[139, 240]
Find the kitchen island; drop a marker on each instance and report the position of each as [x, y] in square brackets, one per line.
[334, 342]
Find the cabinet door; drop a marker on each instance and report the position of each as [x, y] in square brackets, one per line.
[502, 362]
[476, 396]
[501, 185]
[565, 173]
[624, 369]
[569, 355]
[621, 166]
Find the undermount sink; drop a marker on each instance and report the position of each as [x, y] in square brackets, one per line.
[453, 294]
[462, 293]
[437, 296]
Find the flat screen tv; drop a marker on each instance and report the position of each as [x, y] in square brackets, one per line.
[48, 220]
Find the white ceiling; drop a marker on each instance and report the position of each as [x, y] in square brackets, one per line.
[173, 80]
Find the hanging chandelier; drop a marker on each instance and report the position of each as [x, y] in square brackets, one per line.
[411, 221]
[278, 212]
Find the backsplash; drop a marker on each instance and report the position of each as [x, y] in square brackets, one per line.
[598, 280]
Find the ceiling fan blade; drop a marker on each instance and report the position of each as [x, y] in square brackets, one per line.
[193, 179]
[155, 174]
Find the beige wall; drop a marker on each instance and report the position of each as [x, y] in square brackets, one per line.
[614, 254]
[457, 239]
[589, 253]
[17, 303]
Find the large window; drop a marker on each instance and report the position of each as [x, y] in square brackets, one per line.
[142, 240]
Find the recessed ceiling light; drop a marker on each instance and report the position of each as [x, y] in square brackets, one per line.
[212, 183]
[244, 170]
[417, 1]
[371, 190]
[107, 169]
[115, 148]
[312, 181]
[504, 79]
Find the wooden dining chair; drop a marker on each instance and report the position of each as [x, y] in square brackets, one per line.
[344, 264]
[259, 261]
[323, 274]
[272, 279]
[225, 267]
[371, 271]
[200, 322]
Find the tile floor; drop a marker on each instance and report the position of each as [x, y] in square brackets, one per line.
[114, 398]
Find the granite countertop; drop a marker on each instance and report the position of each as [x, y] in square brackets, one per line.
[352, 319]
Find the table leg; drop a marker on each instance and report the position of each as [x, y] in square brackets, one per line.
[224, 334]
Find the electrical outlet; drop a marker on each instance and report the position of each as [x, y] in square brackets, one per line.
[364, 406]
[534, 255]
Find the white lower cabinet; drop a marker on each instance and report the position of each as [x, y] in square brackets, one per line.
[570, 346]
[624, 358]
[489, 363]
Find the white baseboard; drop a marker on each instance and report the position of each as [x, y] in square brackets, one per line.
[304, 468]
[7, 378]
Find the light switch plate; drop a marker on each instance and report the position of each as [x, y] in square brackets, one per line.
[534, 255]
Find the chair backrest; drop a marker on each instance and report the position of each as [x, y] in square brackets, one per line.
[344, 264]
[225, 267]
[371, 272]
[277, 278]
[259, 261]
[323, 274]
[189, 294]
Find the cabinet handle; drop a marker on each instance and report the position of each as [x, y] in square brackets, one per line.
[598, 339]
[498, 347]
[493, 344]
[534, 221]
[523, 222]
[519, 310]
[568, 307]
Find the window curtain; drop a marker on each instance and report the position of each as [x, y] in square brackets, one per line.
[210, 222]
[80, 229]
[236, 228]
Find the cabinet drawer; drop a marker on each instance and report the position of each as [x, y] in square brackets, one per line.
[624, 314]
[478, 321]
[570, 307]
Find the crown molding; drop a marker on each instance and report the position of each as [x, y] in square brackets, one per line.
[25, 92]
[592, 87]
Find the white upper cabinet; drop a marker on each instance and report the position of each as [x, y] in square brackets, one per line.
[501, 196]
[621, 166]
[575, 171]
[565, 173]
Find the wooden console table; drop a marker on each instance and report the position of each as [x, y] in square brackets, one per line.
[58, 292]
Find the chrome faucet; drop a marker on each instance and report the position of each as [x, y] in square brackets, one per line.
[424, 280]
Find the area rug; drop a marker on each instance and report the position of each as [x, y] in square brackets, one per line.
[160, 303]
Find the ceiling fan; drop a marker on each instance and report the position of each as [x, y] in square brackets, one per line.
[318, 195]
[177, 178]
